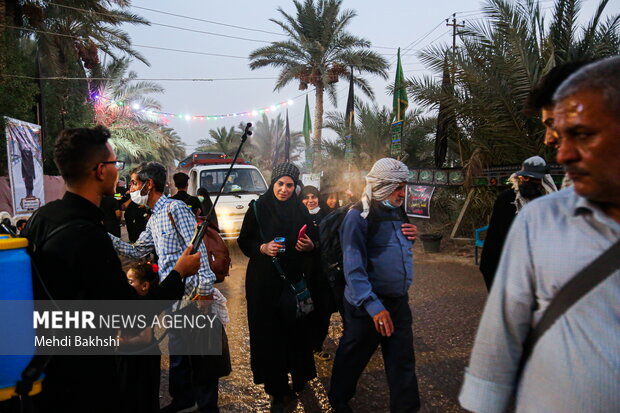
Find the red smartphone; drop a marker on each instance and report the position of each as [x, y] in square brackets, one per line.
[302, 231]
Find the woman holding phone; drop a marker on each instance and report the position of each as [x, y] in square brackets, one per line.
[322, 294]
[277, 349]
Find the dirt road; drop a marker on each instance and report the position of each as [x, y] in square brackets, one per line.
[447, 297]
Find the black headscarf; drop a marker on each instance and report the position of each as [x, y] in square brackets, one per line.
[309, 189]
[281, 218]
[324, 197]
[284, 219]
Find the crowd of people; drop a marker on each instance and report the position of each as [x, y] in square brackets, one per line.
[538, 239]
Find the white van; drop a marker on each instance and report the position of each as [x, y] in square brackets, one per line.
[245, 183]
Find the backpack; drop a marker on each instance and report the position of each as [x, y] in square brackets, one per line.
[219, 256]
[331, 250]
[217, 250]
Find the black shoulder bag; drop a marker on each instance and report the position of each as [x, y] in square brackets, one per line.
[580, 285]
[295, 300]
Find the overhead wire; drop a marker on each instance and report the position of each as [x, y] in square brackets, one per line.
[134, 45]
[195, 30]
[205, 21]
[128, 79]
[407, 49]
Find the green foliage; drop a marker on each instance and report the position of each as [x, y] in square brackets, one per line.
[136, 135]
[371, 136]
[266, 147]
[222, 140]
[67, 39]
[17, 96]
[318, 52]
[501, 58]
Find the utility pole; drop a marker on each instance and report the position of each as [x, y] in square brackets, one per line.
[455, 26]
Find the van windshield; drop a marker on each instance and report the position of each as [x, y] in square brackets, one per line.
[239, 181]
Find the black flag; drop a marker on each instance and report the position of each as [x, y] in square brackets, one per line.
[349, 118]
[444, 118]
[350, 113]
[287, 141]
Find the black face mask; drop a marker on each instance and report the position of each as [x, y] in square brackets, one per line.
[530, 190]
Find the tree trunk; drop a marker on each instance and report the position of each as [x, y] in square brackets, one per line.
[2, 16]
[318, 124]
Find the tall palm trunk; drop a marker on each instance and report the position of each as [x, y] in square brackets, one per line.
[318, 123]
[2, 16]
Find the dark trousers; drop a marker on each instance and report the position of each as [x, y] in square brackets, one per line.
[359, 342]
[183, 387]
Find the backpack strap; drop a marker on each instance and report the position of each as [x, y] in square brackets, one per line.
[174, 225]
[373, 220]
[39, 362]
[275, 261]
[581, 284]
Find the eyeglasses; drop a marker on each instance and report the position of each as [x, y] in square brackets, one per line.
[118, 164]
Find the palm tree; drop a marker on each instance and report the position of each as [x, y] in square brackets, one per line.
[501, 58]
[137, 135]
[267, 144]
[79, 29]
[318, 52]
[371, 136]
[221, 140]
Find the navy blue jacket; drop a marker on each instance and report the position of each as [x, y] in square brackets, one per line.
[379, 266]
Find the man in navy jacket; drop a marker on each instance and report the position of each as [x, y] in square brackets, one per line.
[378, 269]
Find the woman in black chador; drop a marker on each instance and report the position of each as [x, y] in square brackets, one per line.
[322, 294]
[277, 345]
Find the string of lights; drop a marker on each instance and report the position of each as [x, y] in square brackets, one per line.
[165, 116]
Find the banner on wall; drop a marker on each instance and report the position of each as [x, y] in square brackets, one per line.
[312, 179]
[25, 165]
[418, 200]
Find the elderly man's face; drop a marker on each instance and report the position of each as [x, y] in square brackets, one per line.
[589, 145]
[397, 197]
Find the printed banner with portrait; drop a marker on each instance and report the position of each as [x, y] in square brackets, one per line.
[419, 200]
[24, 150]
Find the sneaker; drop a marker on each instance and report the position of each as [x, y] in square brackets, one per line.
[178, 408]
[322, 355]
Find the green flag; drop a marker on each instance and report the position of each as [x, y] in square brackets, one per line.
[306, 129]
[400, 102]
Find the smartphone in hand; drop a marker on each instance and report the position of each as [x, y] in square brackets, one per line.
[302, 231]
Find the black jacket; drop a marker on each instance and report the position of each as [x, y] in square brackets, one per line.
[80, 262]
[504, 212]
[191, 201]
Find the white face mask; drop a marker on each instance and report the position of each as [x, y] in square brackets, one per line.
[139, 199]
[314, 211]
[201, 198]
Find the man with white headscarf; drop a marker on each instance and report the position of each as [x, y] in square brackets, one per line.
[531, 182]
[376, 240]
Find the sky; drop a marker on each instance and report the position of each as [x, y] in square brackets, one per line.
[409, 24]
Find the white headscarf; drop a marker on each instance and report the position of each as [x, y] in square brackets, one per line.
[547, 184]
[386, 174]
